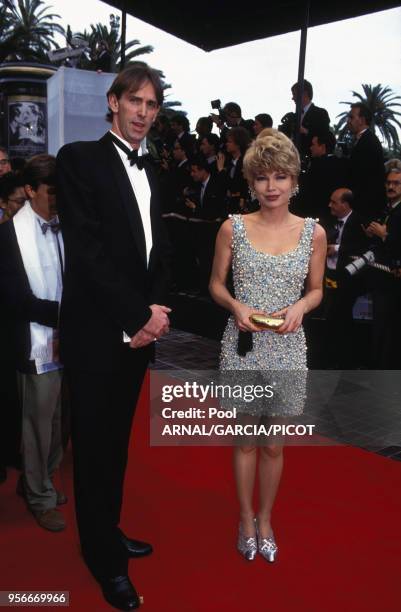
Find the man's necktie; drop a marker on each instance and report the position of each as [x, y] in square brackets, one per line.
[202, 193]
[53, 225]
[132, 154]
[338, 227]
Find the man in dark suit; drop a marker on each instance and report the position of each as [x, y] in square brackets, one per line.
[325, 174]
[348, 239]
[111, 313]
[313, 118]
[180, 126]
[208, 207]
[366, 165]
[31, 271]
[386, 288]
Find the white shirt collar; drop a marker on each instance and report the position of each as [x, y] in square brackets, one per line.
[307, 107]
[360, 133]
[344, 218]
[205, 182]
[142, 145]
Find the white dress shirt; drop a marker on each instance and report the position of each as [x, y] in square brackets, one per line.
[140, 186]
[50, 263]
[332, 259]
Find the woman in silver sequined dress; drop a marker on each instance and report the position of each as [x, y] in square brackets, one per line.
[273, 255]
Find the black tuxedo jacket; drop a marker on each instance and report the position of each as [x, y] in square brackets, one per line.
[173, 182]
[353, 241]
[324, 175]
[315, 120]
[392, 244]
[108, 285]
[214, 199]
[367, 176]
[20, 307]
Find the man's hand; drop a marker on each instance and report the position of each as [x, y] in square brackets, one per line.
[220, 161]
[216, 119]
[331, 250]
[157, 326]
[190, 204]
[377, 229]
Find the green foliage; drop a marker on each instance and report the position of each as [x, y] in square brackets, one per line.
[381, 101]
[111, 39]
[27, 31]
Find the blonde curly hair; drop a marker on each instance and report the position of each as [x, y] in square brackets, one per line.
[272, 151]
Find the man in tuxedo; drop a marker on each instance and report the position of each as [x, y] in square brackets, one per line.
[209, 147]
[386, 288]
[347, 240]
[325, 174]
[31, 262]
[112, 312]
[208, 211]
[313, 118]
[366, 165]
[180, 126]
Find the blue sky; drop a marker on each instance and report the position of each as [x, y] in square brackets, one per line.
[258, 75]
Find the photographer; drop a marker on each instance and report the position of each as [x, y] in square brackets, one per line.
[238, 140]
[230, 116]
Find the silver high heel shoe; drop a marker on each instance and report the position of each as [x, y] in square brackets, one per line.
[267, 546]
[246, 546]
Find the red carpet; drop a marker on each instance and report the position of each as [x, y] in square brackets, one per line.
[337, 523]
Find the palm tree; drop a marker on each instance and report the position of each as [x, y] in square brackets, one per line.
[111, 39]
[27, 30]
[382, 102]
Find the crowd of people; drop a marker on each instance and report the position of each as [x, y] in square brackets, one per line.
[118, 254]
[353, 193]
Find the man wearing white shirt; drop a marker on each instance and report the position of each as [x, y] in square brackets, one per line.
[111, 313]
[31, 286]
[348, 240]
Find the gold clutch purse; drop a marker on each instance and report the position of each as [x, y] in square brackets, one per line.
[266, 322]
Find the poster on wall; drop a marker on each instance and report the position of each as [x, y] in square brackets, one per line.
[27, 126]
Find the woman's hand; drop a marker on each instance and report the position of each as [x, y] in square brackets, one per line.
[241, 313]
[293, 317]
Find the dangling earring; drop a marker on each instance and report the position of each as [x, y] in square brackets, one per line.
[295, 191]
[252, 193]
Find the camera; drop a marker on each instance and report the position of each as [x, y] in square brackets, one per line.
[360, 263]
[288, 123]
[216, 105]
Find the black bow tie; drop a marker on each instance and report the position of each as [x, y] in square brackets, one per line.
[132, 154]
[53, 225]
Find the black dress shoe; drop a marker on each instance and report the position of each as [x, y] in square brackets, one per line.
[135, 548]
[120, 593]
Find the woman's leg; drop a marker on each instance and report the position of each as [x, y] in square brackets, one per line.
[245, 458]
[270, 469]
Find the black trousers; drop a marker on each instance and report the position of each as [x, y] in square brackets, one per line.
[338, 311]
[102, 409]
[386, 327]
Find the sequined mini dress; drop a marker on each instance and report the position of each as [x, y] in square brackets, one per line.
[269, 283]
